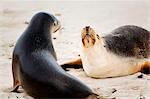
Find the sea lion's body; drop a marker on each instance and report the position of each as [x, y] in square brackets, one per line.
[34, 64]
[124, 51]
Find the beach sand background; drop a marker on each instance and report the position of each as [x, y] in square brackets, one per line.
[103, 16]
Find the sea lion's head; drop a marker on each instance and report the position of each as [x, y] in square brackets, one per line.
[44, 22]
[56, 26]
[89, 37]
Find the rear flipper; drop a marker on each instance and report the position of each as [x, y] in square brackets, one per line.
[75, 63]
[15, 88]
[146, 68]
[15, 71]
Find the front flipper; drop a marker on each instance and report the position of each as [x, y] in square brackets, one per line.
[15, 71]
[75, 63]
[15, 88]
[145, 68]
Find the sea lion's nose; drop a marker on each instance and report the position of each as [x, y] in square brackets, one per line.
[87, 28]
[59, 23]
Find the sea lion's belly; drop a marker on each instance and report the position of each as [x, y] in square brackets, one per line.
[106, 64]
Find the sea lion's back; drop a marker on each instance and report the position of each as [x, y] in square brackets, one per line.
[129, 40]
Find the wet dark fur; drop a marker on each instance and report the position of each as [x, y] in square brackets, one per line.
[129, 41]
[35, 68]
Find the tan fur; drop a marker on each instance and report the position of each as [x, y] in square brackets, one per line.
[88, 37]
[101, 63]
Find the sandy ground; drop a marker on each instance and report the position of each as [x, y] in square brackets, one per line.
[101, 15]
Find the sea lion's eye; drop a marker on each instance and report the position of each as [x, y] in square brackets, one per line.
[55, 23]
[97, 36]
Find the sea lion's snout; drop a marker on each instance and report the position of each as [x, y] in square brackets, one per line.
[88, 36]
[87, 28]
[56, 26]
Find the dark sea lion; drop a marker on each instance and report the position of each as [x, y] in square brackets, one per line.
[34, 63]
[124, 51]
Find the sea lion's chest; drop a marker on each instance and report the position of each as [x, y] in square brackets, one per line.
[100, 63]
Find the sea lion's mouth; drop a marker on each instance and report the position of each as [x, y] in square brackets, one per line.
[57, 29]
[88, 41]
[88, 38]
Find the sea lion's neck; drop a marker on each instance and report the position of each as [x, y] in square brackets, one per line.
[38, 35]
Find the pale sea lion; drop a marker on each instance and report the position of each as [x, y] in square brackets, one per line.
[34, 64]
[126, 50]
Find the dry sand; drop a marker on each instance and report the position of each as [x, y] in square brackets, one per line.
[104, 16]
